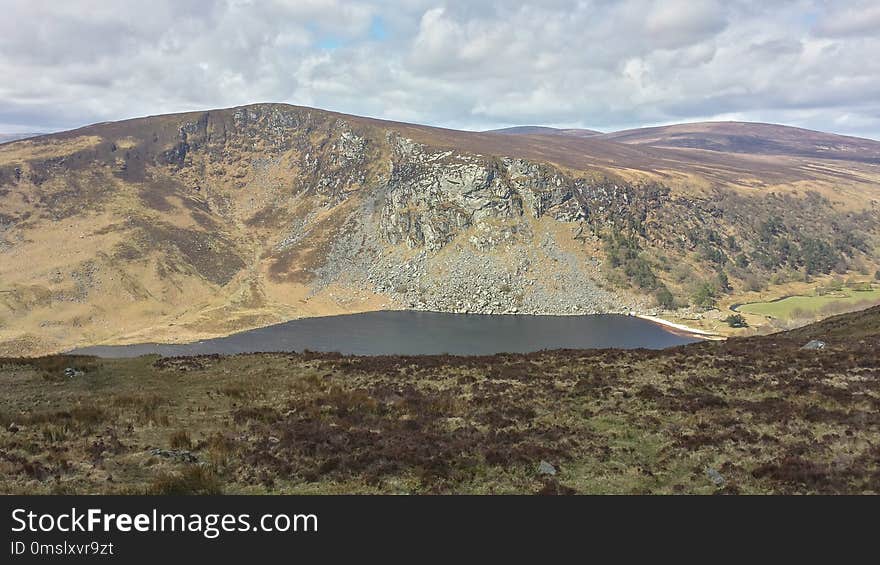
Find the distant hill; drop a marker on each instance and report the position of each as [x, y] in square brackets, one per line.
[753, 138]
[542, 130]
[6, 137]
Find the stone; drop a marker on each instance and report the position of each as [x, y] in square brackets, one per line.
[181, 455]
[814, 345]
[715, 477]
[545, 468]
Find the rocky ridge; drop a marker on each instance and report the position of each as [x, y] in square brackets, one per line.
[222, 220]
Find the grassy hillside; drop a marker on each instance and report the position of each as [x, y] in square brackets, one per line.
[754, 415]
[845, 328]
[188, 226]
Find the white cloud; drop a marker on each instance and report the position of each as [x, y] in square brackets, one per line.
[851, 19]
[473, 64]
[680, 23]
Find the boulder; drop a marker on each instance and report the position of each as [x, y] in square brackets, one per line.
[545, 468]
[715, 477]
[180, 455]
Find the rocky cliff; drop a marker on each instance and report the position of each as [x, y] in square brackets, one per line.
[184, 226]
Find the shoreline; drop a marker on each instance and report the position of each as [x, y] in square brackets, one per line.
[196, 337]
[695, 332]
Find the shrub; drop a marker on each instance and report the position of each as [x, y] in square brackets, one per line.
[704, 295]
[682, 272]
[235, 390]
[88, 414]
[219, 449]
[801, 314]
[736, 321]
[712, 254]
[265, 414]
[819, 257]
[55, 434]
[754, 283]
[180, 440]
[835, 285]
[624, 252]
[858, 285]
[640, 272]
[85, 416]
[723, 282]
[195, 479]
[146, 407]
[665, 299]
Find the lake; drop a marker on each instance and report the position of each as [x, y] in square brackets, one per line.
[420, 333]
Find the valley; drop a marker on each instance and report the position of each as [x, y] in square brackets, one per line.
[193, 226]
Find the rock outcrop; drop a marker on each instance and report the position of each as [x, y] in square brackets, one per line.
[223, 220]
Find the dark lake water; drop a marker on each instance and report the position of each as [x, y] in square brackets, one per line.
[418, 333]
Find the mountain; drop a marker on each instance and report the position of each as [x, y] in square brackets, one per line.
[185, 226]
[754, 138]
[7, 137]
[687, 169]
[542, 130]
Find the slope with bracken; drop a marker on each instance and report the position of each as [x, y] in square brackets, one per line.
[191, 225]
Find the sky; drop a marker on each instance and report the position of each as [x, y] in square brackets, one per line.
[475, 64]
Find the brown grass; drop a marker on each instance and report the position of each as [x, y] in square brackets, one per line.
[767, 416]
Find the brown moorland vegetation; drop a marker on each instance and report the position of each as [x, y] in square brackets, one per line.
[749, 415]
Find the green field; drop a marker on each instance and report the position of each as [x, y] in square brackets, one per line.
[799, 306]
